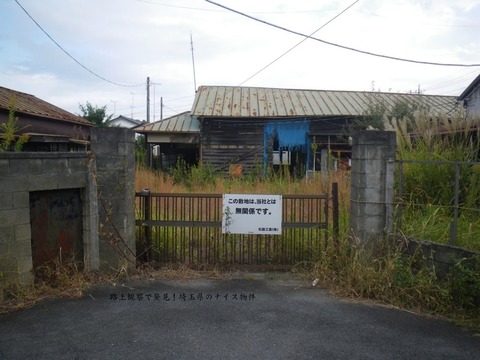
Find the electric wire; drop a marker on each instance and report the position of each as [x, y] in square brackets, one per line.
[299, 43]
[69, 55]
[341, 46]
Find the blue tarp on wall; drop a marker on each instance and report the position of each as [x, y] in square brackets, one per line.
[291, 135]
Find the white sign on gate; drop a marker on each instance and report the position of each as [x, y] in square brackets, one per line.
[252, 214]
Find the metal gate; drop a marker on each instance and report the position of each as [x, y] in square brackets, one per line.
[187, 228]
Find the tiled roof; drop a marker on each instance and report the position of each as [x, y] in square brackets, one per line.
[31, 105]
[181, 123]
[235, 101]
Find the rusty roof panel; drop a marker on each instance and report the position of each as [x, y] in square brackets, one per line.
[181, 123]
[231, 101]
[31, 105]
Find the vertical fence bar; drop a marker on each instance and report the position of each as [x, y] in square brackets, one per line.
[326, 221]
[148, 231]
[335, 214]
[400, 197]
[453, 224]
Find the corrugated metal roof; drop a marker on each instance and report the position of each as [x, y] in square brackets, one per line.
[31, 105]
[181, 123]
[226, 101]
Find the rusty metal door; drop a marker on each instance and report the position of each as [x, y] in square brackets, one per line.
[56, 224]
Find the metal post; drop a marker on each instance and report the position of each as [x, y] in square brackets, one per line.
[400, 196]
[453, 224]
[148, 231]
[335, 214]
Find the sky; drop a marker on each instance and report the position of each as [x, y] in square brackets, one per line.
[102, 51]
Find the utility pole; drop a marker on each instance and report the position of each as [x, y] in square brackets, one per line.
[148, 99]
[193, 63]
[154, 104]
[161, 108]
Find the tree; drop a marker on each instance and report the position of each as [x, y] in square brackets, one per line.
[96, 115]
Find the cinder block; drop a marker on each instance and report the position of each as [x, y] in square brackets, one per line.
[6, 200]
[12, 184]
[35, 166]
[21, 199]
[42, 182]
[23, 233]
[7, 233]
[5, 167]
[7, 217]
[8, 263]
[72, 181]
[125, 149]
[55, 166]
[77, 166]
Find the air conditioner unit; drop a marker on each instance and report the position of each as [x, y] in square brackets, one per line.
[276, 158]
[286, 157]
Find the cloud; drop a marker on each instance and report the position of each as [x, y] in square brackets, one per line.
[125, 41]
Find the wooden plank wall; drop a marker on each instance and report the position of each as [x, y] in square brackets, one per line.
[229, 142]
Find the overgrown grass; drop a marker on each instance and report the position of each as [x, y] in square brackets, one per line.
[429, 189]
[388, 276]
[203, 179]
[59, 278]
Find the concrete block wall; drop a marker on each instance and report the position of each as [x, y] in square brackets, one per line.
[372, 196]
[21, 173]
[106, 179]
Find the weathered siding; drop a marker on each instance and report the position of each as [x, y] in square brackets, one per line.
[241, 141]
[231, 142]
[473, 106]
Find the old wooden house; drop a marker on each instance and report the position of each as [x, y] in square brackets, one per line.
[171, 139]
[471, 98]
[253, 128]
[49, 127]
[302, 129]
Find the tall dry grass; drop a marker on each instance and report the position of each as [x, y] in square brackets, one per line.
[319, 184]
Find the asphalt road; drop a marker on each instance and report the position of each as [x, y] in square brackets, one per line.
[248, 318]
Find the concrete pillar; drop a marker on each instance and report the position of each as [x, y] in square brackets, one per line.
[372, 174]
[114, 152]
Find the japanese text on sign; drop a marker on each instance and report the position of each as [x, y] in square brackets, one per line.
[252, 214]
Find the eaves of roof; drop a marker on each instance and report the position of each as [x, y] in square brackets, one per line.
[30, 105]
[180, 123]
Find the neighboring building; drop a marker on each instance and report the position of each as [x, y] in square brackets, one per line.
[471, 98]
[171, 139]
[303, 129]
[124, 122]
[49, 127]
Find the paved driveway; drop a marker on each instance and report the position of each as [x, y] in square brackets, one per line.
[253, 318]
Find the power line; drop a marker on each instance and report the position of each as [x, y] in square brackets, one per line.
[68, 54]
[305, 39]
[338, 45]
